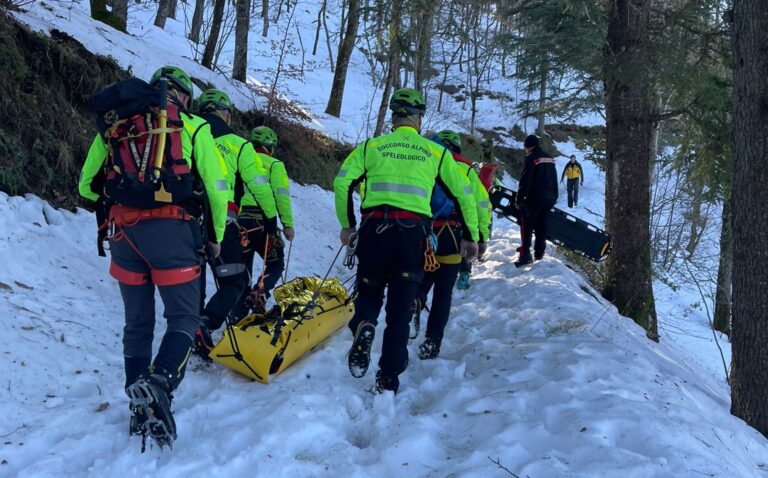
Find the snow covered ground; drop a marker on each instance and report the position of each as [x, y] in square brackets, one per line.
[537, 373]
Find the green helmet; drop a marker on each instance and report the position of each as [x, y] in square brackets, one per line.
[407, 102]
[212, 100]
[450, 139]
[264, 136]
[177, 76]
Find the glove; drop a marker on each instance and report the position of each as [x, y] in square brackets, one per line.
[289, 233]
[215, 249]
[468, 249]
[482, 248]
[345, 234]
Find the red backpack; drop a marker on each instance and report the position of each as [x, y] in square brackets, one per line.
[487, 174]
[130, 127]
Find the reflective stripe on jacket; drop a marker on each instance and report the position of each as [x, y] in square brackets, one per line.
[400, 169]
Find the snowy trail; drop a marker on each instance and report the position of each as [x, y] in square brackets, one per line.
[536, 372]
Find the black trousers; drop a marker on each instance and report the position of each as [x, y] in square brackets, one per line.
[163, 245]
[391, 256]
[534, 220]
[230, 288]
[573, 192]
[443, 280]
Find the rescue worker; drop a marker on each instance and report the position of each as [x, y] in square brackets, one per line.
[247, 177]
[536, 196]
[575, 175]
[446, 226]
[400, 169]
[252, 217]
[160, 246]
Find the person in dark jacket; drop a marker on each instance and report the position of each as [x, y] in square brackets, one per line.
[575, 175]
[536, 195]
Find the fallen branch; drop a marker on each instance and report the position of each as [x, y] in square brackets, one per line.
[497, 462]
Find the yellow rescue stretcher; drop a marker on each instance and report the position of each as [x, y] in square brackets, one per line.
[261, 345]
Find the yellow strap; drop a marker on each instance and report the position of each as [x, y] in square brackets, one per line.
[448, 260]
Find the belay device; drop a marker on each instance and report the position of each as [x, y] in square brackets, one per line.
[565, 230]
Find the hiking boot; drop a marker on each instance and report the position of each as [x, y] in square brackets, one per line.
[203, 343]
[462, 283]
[538, 255]
[359, 357]
[151, 405]
[429, 349]
[524, 260]
[385, 382]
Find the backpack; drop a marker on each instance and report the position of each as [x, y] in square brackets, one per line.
[487, 174]
[128, 120]
[442, 206]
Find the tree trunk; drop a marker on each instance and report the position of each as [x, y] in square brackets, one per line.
[241, 39]
[320, 14]
[422, 60]
[346, 46]
[99, 13]
[749, 333]
[213, 38]
[197, 21]
[696, 221]
[265, 17]
[162, 13]
[722, 320]
[393, 65]
[173, 6]
[628, 156]
[120, 12]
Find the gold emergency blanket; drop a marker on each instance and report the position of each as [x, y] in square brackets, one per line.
[261, 345]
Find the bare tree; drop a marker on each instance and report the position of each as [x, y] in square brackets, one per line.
[265, 17]
[197, 21]
[393, 64]
[163, 8]
[749, 335]
[722, 318]
[213, 37]
[173, 6]
[628, 156]
[241, 39]
[422, 60]
[346, 46]
[120, 11]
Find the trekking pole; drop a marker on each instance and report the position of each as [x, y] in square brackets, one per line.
[287, 262]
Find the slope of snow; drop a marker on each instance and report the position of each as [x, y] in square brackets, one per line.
[537, 372]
